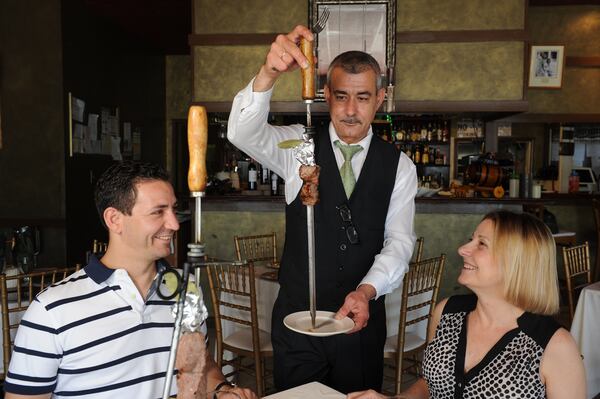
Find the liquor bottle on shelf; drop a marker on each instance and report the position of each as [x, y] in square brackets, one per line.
[384, 136]
[400, 133]
[274, 183]
[445, 132]
[417, 159]
[423, 133]
[429, 132]
[235, 176]
[252, 175]
[265, 175]
[439, 160]
[425, 156]
[438, 132]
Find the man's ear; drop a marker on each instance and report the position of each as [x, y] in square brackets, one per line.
[380, 97]
[327, 93]
[113, 219]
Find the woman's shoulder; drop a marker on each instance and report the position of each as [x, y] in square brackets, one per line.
[562, 368]
[539, 327]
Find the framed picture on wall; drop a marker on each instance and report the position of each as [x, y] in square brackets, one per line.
[365, 25]
[546, 64]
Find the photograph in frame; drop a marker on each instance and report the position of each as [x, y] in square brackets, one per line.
[353, 25]
[546, 66]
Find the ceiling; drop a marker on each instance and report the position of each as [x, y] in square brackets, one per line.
[162, 25]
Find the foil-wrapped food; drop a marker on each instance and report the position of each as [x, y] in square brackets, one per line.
[304, 152]
[191, 352]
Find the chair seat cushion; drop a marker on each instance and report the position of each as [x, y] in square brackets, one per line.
[411, 341]
[243, 339]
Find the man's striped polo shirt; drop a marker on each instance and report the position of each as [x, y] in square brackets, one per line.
[92, 335]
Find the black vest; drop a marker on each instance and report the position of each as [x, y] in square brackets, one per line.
[340, 266]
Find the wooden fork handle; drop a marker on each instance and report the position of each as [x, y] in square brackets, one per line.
[197, 141]
[308, 74]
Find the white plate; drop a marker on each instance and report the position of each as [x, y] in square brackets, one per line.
[325, 323]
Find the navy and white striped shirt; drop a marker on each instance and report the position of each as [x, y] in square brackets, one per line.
[93, 335]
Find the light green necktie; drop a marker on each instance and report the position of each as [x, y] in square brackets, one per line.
[346, 172]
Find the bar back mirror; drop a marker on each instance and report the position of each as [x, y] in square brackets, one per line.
[365, 25]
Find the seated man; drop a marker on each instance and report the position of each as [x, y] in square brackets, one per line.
[104, 332]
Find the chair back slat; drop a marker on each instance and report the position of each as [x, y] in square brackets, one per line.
[578, 274]
[16, 293]
[419, 291]
[257, 249]
[418, 251]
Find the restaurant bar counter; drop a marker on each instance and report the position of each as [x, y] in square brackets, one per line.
[445, 223]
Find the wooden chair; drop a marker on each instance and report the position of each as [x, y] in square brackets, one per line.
[577, 272]
[419, 295]
[17, 292]
[418, 252]
[98, 249]
[257, 249]
[233, 294]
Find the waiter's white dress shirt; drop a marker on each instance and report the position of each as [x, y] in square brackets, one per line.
[248, 130]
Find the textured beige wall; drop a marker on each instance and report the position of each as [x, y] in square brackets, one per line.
[436, 15]
[178, 95]
[460, 71]
[221, 71]
[578, 29]
[446, 71]
[248, 16]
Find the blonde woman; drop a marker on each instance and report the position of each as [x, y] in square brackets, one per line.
[500, 341]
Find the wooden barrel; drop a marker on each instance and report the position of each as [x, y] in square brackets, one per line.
[484, 175]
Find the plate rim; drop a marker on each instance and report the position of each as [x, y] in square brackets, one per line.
[322, 313]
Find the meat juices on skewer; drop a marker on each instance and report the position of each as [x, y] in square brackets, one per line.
[309, 194]
[190, 362]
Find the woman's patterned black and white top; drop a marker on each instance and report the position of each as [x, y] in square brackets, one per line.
[511, 369]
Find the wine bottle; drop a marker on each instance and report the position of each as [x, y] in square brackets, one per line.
[252, 175]
[274, 183]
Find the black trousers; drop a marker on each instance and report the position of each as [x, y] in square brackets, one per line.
[344, 362]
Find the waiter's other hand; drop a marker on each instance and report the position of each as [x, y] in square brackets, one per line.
[284, 56]
[356, 306]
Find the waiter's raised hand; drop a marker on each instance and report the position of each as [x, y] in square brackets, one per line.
[284, 55]
[356, 306]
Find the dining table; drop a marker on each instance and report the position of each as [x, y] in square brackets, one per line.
[309, 390]
[587, 335]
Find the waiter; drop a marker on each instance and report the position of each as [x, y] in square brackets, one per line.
[364, 234]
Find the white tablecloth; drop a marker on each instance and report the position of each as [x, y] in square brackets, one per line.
[586, 331]
[310, 390]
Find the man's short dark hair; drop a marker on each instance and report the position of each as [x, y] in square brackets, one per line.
[355, 62]
[116, 187]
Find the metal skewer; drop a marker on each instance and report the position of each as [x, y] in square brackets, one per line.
[308, 95]
[176, 333]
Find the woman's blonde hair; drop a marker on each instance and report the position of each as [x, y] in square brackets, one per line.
[525, 250]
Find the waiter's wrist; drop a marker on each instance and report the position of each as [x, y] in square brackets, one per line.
[367, 290]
